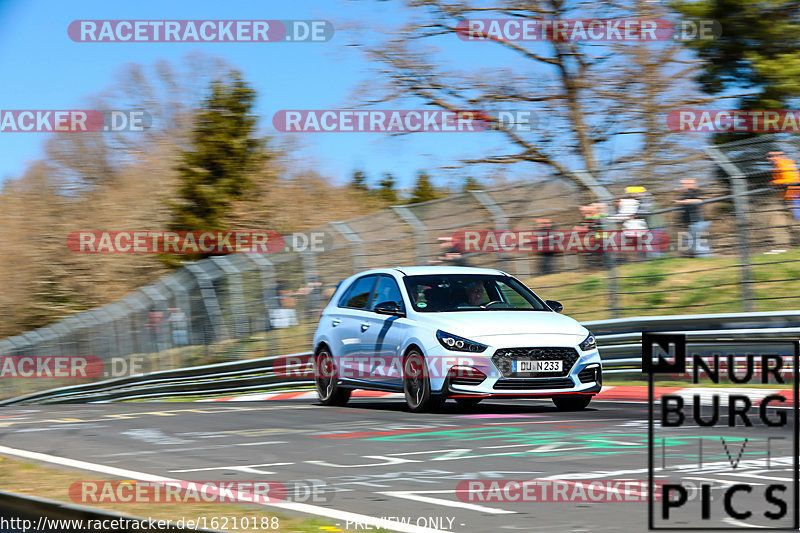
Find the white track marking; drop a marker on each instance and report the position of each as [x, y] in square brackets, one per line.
[261, 443]
[248, 469]
[387, 461]
[756, 474]
[416, 496]
[288, 506]
[715, 467]
[738, 523]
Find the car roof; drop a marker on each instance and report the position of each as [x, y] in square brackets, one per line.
[428, 270]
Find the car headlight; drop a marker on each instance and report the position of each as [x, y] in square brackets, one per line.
[458, 344]
[588, 344]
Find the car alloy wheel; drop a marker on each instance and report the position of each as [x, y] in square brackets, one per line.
[417, 385]
[327, 381]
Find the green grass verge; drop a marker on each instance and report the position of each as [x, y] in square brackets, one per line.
[672, 286]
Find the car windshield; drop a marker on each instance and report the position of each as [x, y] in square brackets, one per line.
[470, 292]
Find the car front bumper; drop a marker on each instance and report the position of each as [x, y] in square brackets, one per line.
[583, 377]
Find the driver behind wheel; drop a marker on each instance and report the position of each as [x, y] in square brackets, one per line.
[474, 294]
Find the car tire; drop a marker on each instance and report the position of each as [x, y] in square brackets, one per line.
[326, 380]
[468, 403]
[417, 384]
[572, 402]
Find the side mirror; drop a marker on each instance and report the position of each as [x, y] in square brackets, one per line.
[389, 308]
[554, 305]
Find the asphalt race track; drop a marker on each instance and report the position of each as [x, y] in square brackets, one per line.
[374, 459]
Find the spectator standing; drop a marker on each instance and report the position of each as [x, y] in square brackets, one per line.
[178, 323]
[692, 218]
[593, 222]
[785, 176]
[545, 225]
[647, 207]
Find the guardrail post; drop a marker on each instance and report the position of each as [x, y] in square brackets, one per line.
[740, 204]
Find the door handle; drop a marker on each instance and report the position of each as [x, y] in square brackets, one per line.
[364, 326]
[335, 322]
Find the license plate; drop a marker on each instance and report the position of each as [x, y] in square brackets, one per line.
[536, 366]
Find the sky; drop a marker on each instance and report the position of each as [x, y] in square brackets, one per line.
[41, 68]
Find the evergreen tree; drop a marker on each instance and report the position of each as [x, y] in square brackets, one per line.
[759, 49]
[423, 189]
[387, 189]
[223, 152]
[470, 184]
[359, 181]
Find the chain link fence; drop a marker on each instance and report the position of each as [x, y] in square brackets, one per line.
[244, 306]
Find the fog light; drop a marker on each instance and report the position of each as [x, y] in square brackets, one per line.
[465, 375]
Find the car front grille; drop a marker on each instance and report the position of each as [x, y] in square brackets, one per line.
[503, 357]
[533, 384]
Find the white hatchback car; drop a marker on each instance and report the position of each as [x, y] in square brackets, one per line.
[451, 332]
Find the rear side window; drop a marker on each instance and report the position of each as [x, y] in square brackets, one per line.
[357, 296]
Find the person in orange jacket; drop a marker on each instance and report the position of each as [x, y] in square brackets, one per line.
[785, 174]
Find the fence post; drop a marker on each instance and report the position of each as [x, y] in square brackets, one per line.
[418, 228]
[269, 294]
[180, 295]
[311, 276]
[356, 244]
[209, 294]
[500, 223]
[740, 205]
[609, 259]
[234, 278]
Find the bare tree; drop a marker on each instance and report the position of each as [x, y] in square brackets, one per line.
[600, 105]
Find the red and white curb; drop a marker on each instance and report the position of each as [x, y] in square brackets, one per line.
[618, 393]
[302, 395]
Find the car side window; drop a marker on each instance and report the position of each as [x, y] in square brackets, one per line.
[357, 296]
[387, 291]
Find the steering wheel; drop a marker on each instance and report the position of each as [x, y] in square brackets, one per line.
[493, 303]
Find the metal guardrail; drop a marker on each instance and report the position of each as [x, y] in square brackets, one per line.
[238, 376]
[619, 341]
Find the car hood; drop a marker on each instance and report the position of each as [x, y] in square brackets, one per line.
[480, 324]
